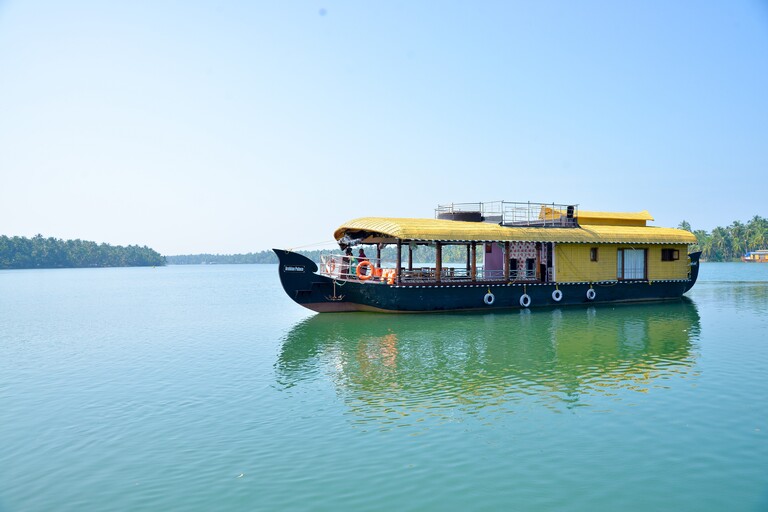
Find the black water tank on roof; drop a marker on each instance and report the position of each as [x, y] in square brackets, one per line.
[462, 216]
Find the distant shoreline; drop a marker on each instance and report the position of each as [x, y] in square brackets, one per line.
[39, 252]
[222, 259]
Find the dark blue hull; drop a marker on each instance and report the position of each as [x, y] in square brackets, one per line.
[322, 294]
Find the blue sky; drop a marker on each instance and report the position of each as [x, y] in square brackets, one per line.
[240, 126]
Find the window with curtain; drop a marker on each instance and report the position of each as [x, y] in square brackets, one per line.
[631, 264]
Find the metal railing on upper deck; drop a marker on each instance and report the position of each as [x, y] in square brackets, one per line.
[509, 213]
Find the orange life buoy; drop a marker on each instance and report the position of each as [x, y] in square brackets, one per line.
[330, 266]
[363, 277]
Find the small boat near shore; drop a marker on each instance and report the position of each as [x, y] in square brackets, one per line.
[760, 256]
[518, 255]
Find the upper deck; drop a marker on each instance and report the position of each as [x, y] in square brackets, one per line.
[507, 213]
[503, 221]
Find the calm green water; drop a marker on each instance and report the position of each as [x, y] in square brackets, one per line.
[206, 388]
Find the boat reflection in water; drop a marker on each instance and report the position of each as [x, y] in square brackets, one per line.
[394, 367]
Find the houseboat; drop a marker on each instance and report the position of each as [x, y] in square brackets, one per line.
[760, 256]
[518, 255]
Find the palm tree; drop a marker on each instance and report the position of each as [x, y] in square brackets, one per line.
[721, 244]
[738, 239]
[703, 243]
[758, 233]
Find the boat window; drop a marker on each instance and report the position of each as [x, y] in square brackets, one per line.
[670, 255]
[593, 254]
[631, 264]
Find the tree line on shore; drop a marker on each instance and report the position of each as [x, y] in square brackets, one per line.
[224, 259]
[39, 252]
[730, 242]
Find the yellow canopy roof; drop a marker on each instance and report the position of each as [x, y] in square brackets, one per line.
[377, 229]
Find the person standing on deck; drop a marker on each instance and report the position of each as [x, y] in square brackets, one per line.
[352, 264]
[361, 258]
[345, 260]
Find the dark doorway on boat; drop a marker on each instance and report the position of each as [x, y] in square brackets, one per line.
[530, 268]
[548, 274]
